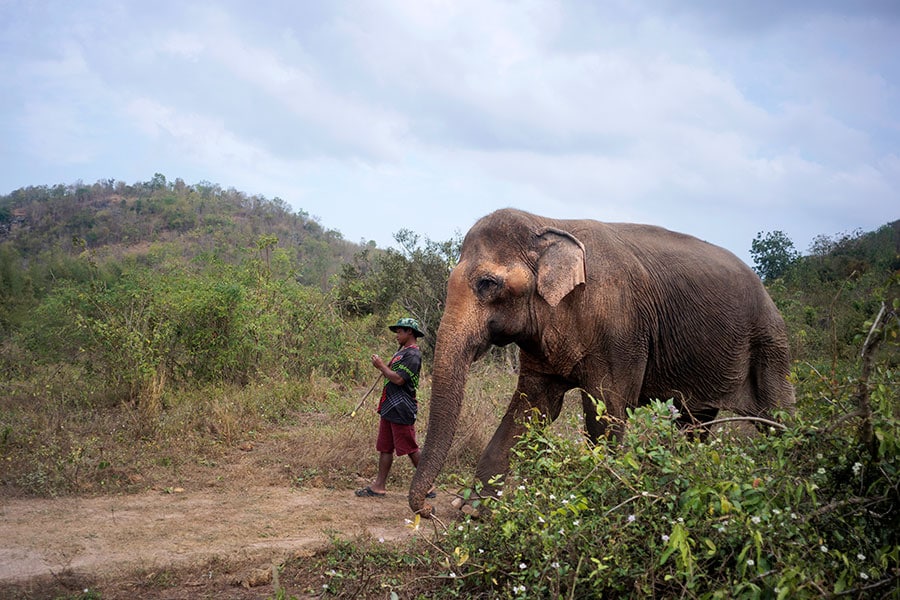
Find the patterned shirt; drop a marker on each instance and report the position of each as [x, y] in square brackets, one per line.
[398, 402]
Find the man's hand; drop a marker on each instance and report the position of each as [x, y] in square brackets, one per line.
[392, 376]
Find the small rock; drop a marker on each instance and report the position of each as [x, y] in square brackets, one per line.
[256, 578]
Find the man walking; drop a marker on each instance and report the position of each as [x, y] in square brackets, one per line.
[398, 406]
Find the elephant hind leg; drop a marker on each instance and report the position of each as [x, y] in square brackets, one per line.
[694, 421]
[768, 382]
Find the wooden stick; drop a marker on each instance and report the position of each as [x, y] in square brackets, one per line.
[358, 406]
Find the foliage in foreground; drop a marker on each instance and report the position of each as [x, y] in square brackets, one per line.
[799, 514]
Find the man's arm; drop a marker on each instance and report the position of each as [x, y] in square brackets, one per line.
[392, 376]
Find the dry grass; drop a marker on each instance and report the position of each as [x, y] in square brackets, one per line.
[54, 440]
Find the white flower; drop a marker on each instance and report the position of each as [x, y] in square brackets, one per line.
[576, 522]
[554, 565]
[459, 528]
[860, 556]
[499, 493]
[481, 551]
[523, 566]
[775, 511]
[821, 471]
[856, 468]
[819, 456]
[565, 501]
[452, 575]
[521, 487]
[863, 575]
[631, 518]
[756, 520]
[665, 538]
[552, 497]
[750, 562]
[540, 519]
[823, 548]
[381, 540]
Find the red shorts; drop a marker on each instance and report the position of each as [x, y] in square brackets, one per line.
[393, 436]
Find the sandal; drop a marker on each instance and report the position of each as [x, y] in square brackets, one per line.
[431, 494]
[368, 492]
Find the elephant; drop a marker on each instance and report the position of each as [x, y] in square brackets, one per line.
[626, 313]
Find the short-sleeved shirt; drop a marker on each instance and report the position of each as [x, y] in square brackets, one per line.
[398, 402]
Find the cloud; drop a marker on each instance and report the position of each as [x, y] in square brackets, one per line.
[715, 118]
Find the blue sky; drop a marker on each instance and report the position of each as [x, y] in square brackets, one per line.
[719, 119]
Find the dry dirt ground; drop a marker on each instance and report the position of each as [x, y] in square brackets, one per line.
[202, 540]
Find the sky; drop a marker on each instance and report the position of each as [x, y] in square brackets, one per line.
[717, 119]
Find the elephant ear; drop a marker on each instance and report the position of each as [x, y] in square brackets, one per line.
[560, 266]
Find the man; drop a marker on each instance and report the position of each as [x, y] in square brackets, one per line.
[397, 407]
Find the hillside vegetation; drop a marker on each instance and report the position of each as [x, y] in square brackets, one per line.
[148, 327]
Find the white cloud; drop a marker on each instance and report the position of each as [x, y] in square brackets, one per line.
[720, 120]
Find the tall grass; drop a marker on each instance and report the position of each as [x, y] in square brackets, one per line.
[58, 437]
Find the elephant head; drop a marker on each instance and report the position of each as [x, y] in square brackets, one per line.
[512, 270]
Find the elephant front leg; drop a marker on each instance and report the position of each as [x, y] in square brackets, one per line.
[540, 392]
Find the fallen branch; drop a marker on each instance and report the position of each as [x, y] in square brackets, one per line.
[633, 498]
[835, 505]
[866, 432]
[867, 588]
[768, 422]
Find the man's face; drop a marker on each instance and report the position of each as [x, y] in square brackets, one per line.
[404, 335]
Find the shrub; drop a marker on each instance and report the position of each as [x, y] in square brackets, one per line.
[804, 513]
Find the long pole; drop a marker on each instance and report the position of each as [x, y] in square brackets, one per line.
[358, 406]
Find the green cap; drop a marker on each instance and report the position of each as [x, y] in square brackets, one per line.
[408, 323]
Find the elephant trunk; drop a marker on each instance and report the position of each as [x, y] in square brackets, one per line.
[451, 368]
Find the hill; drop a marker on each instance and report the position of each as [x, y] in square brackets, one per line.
[826, 295]
[115, 220]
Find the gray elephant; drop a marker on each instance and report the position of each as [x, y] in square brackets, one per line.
[625, 312]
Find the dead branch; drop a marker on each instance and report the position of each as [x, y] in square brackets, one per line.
[866, 432]
[768, 422]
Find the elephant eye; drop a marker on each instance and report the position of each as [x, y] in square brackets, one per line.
[487, 286]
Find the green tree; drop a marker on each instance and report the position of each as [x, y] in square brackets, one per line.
[413, 277]
[772, 254]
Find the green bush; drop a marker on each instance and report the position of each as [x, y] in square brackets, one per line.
[802, 513]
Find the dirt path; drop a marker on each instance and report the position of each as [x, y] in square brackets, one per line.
[99, 537]
[157, 529]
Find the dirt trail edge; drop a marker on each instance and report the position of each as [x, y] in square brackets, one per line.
[153, 530]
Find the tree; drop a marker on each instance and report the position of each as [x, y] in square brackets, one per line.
[413, 277]
[772, 254]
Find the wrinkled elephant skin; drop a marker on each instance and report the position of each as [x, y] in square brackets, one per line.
[625, 312]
